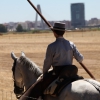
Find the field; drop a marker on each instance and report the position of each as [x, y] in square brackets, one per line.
[34, 46]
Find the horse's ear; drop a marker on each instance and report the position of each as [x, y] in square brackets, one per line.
[22, 54]
[13, 56]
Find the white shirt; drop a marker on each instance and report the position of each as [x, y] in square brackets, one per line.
[61, 52]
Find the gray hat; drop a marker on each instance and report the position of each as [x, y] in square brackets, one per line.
[58, 26]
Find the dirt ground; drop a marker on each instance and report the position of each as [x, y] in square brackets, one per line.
[34, 46]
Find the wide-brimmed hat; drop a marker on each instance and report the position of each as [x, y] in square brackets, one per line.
[58, 26]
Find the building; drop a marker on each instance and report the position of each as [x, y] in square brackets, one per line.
[93, 22]
[12, 26]
[39, 25]
[77, 15]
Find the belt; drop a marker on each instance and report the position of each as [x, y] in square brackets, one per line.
[58, 69]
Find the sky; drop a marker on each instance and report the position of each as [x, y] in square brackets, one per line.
[52, 10]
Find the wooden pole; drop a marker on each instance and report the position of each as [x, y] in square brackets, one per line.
[87, 70]
[39, 13]
[52, 30]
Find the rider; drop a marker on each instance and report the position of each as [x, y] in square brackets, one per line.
[59, 55]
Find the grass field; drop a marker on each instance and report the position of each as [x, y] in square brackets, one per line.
[34, 46]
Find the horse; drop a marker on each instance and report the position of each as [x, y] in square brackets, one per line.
[26, 73]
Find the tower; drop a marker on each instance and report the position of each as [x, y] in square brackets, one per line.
[41, 24]
[77, 15]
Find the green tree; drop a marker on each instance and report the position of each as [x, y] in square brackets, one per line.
[19, 28]
[3, 28]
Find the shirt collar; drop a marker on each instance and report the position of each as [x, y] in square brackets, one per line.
[59, 38]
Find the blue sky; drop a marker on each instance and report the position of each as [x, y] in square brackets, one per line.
[21, 10]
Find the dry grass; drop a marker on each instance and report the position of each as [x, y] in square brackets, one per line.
[34, 46]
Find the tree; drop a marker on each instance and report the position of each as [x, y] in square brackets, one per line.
[3, 28]
[19, 28]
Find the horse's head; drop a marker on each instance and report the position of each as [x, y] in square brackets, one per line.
[18, 90]
[25, 73]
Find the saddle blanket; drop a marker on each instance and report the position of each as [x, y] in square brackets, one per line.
[51, 88]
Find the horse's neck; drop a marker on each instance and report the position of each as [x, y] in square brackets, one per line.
[30, 77]
[31, 80]
[30, 71]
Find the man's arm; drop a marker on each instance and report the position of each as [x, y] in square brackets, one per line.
[47, 60]
[78, 56]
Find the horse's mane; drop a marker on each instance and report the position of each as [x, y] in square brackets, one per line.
[24, 61]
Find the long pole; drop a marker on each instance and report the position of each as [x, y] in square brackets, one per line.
[87, 70]
[39, 13]
[52, 30]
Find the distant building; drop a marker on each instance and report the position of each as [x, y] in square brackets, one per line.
[77, 15]
[39, 25]
[12, 26]
[93, 22]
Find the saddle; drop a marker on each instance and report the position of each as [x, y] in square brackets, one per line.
[66, 76]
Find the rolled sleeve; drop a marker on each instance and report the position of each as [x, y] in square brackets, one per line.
[78, 56]
[47, 60]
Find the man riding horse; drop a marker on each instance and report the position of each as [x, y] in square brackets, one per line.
[59, 55]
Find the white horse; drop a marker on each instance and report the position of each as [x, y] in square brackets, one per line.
[26, 72]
